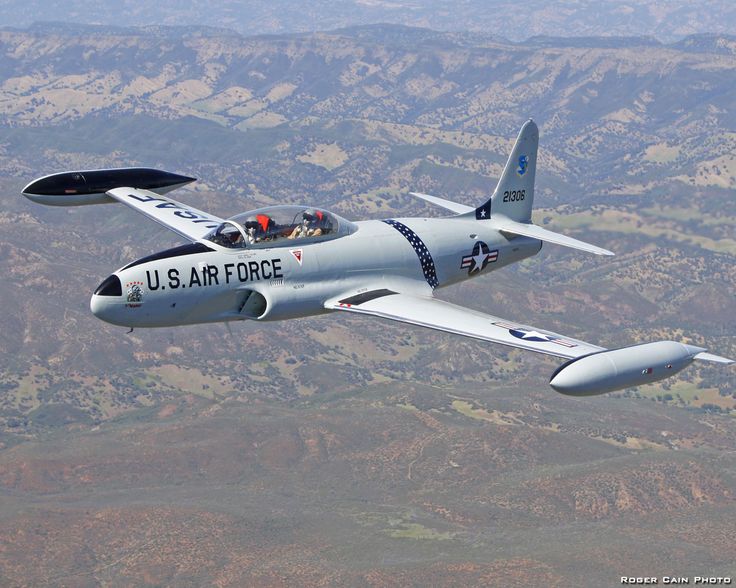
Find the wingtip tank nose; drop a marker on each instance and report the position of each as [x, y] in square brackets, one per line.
[617, 369]
[76, 188]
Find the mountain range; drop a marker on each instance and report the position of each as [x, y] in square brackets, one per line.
[338, 450]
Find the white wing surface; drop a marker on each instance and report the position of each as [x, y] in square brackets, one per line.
[443, 316]
[447, 204]
[188, 222]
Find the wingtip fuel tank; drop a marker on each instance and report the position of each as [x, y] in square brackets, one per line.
[617, 369]
[74, 188]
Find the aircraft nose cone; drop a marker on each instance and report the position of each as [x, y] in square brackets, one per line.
[104, 297]
[97, 306]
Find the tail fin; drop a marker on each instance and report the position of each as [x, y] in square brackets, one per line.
[511, 203]
[514, 194]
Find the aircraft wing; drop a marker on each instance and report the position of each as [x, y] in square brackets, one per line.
[443, 316]
[185, 220]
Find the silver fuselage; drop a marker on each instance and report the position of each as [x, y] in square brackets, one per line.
[271, 283]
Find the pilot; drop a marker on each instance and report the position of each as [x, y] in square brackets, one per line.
[236, 239]
[314, 224]
[228, 236]
[257, 228]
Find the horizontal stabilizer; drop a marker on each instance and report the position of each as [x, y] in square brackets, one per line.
[536, 232]
[447, 204]
[712, 357]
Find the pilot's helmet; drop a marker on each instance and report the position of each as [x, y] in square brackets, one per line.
[251, 225]
[312, 217]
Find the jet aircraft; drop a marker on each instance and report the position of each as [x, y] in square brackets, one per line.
[283, 262]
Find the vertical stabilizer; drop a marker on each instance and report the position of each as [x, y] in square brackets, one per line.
[514, 194]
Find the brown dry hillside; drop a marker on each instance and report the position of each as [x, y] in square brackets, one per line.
[340, 450]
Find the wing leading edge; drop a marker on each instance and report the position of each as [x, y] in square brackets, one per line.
[187, 221]
[590, 369]
[443, 316]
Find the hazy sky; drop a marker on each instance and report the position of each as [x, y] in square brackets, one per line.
[667, 20]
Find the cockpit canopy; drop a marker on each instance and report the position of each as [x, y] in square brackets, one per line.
[280, 226]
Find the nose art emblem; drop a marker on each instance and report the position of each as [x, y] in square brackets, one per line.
[134, 294]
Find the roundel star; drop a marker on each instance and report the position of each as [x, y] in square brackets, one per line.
[480, 260]
[530, 335]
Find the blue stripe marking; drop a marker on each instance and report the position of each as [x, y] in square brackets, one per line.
[425, 257]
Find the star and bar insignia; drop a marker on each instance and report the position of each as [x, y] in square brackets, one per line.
[479, 258]
[532, 335]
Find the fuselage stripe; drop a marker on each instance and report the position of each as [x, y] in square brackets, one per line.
[423, 254]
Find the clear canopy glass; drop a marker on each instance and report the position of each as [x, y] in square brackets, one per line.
[280, 226]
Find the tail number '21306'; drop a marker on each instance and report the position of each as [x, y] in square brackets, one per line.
[514, 195]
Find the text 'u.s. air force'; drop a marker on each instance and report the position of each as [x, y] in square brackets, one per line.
[213, 275]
